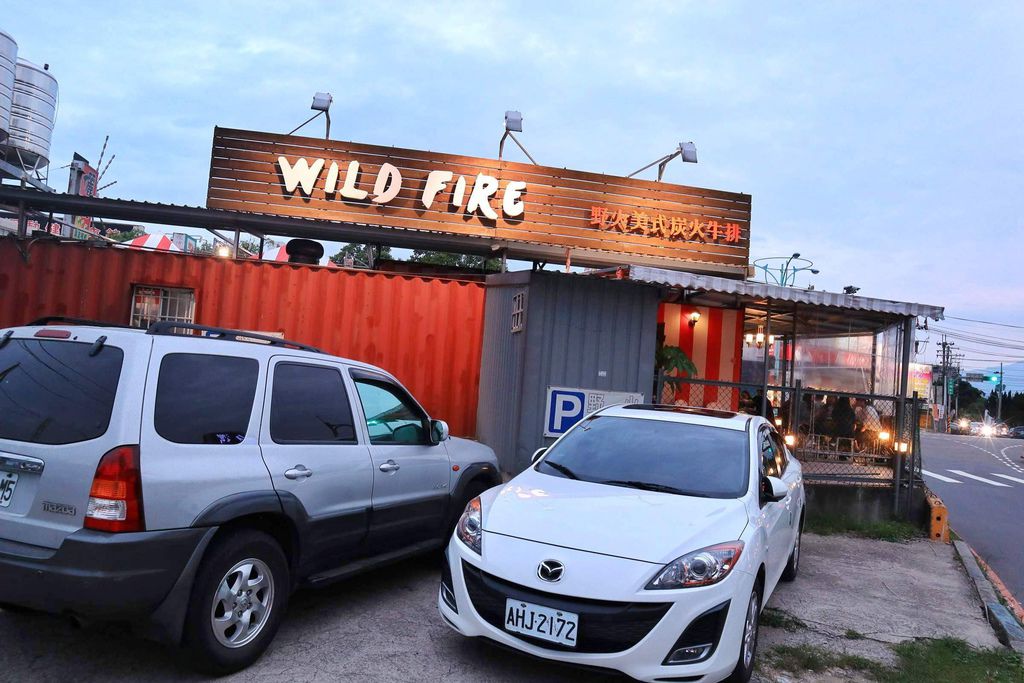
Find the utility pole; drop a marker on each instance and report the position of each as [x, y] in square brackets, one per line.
[999, 404]
[945, 350]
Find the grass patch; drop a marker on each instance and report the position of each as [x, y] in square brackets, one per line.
[947, 660]
[796, 659]
[952, 660]
[853, 635]
[886, 530]
[778, 618]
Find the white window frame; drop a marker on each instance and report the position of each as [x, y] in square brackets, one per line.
[152, 303]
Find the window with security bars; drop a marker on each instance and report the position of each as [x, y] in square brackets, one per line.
[518, 311]
[152, 304]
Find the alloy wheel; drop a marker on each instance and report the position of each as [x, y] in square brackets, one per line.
[242, 603]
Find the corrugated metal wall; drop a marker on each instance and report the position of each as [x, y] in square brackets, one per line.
[426, 331]
[581, 332]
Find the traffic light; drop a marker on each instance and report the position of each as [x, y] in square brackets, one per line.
[993, 377]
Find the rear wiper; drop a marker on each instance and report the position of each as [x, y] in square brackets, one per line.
[561, 468]
[646, 486]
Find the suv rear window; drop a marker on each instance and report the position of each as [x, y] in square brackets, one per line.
[54, 392]
[204, 398]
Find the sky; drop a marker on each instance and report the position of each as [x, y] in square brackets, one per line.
[881, 140]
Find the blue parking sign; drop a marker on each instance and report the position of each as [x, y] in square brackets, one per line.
[564, 409]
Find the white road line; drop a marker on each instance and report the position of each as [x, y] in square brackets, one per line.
[941, 477]
[981, 479]
[1007, 476]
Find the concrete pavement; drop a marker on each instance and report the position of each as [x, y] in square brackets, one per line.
[981, 481]
[385, 626]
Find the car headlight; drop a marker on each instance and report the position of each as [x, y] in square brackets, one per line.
[470, 526]
[700, 568]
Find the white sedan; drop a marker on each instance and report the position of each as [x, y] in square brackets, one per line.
[645, 540]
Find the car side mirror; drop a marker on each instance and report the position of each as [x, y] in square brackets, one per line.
[537, 454]
[438, 431]
[773, 489]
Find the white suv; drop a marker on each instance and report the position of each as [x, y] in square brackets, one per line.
[646, 540]
[189, 483]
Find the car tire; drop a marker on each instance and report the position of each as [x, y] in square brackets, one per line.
[793, 565]
[748, 642]
[237, 603]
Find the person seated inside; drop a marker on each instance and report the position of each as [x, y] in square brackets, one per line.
[843, 419]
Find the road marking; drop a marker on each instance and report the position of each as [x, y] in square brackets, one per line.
[941, 477]
[981, 479]
[1007, 476]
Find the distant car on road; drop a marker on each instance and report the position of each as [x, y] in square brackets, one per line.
[646, 540]
[1016, 432]
[190, 483]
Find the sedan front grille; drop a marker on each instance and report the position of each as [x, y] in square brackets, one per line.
[604, 626]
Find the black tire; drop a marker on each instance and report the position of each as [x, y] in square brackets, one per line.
[745, 668]
[207, 651]
[793, 565]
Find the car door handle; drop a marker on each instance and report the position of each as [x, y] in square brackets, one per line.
[298, 472]
[389, 466]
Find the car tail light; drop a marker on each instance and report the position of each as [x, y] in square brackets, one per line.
[115, 499]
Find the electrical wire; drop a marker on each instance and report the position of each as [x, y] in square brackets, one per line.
[984, 322]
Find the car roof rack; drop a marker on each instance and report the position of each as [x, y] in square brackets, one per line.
[168, 327]
[66, 320]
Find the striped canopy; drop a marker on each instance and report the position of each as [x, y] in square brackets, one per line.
[275, 254]
[154, 240]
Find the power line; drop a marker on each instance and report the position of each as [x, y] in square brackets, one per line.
[985, 322]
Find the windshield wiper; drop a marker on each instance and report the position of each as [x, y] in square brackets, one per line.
[647, 486]
[561, 468]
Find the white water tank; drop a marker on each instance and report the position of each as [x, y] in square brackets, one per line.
[33, 111]
[8, 58]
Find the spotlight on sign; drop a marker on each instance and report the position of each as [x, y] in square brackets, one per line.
[321, 101]
[514, 121]
[688, 152]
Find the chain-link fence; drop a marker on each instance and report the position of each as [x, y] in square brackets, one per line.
[840, 438]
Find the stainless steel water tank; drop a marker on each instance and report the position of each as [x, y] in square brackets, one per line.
[8, 58]
[32, 114]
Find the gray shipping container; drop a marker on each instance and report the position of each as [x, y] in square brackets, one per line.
[576, 331]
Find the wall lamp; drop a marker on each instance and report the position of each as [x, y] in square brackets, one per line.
[222, 250]
[694, 318]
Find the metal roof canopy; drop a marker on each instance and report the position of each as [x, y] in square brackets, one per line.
[16, 199]
[808, 313]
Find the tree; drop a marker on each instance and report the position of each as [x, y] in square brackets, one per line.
[124, 236]
[360, 255]
[972, 400]
[441, 258]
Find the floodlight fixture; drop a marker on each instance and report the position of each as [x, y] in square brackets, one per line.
[687, 151]
[321, 105]
[513, 124]
[850, 289]
[321, 101]
[514, 121]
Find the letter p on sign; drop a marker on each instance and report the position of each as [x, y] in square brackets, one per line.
[564, 409]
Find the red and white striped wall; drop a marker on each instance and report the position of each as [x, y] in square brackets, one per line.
[714, 344]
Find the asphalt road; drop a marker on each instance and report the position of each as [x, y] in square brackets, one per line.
[981, 481]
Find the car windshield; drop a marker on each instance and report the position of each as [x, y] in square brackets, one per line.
[653, 455]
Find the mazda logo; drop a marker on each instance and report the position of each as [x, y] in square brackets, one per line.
[550, 570]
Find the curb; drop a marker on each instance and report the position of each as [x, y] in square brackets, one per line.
[1003, 622]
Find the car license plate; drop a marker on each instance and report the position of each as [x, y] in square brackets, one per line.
[8, 480]
[541, 622]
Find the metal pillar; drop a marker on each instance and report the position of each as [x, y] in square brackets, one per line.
[767, 348]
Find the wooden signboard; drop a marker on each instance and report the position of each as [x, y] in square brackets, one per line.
[532, 212]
